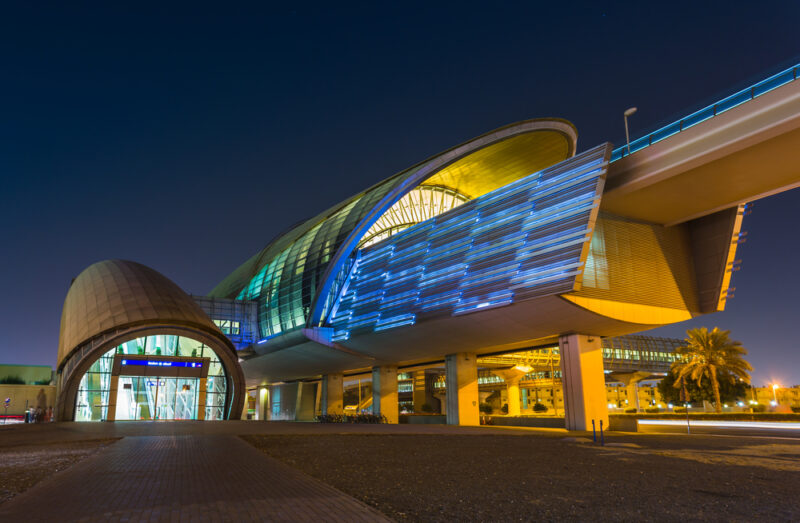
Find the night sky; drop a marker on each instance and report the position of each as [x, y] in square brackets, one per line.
[185, 138]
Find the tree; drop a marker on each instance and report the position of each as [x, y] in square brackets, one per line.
[730, 390]
[538, 407]
[712, 355]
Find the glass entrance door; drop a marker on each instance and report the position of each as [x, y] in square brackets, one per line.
[151, 398]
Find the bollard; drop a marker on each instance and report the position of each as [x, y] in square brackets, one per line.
[602, 443]
[594, 433]
[688, 429]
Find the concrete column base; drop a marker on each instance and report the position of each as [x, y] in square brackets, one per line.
[441, 397]
[423, 391]
[262, 406]
[384, 393]
[631, 382]
[331, 400]
[583, 381]
[462, 389]
[512, 377]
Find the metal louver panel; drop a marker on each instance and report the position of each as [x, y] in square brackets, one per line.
[521, 241]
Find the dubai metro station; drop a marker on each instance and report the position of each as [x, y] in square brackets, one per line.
[508, 259]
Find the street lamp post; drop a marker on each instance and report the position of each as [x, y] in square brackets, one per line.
[628, 112]
[775, 393]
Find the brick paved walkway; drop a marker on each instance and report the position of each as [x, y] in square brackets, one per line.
[183, 478]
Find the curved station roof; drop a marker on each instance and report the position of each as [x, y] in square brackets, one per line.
[115, 294]
[293, 276]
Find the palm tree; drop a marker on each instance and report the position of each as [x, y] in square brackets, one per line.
[711, 354]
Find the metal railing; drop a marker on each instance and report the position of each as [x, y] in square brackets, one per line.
[727, 103]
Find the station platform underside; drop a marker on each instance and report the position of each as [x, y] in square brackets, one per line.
[581, 378]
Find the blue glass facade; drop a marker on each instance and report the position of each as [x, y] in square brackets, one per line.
[286, 284]
[518, 242]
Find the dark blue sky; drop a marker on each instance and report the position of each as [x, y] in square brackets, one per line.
[186, 137]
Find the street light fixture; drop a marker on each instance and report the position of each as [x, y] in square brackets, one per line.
[628, 112]
[774, 392]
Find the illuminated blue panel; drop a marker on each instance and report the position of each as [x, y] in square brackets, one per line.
[519, 242]
[734, 100]
[665, 132]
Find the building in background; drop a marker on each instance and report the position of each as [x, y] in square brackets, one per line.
[26, 387]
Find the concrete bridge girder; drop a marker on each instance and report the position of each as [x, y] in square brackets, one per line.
[722, 152]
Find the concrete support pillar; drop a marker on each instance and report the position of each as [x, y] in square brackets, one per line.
[442, 397]
[262, 404]
[113, 386]
[512, 378]
[305, 399]
[298, 402]
[384, 393]
[631, 382]
[632, 390]
[277, 400]
[331, 400]
[462, 389]
[512, 389]
[583, 381]
[418, 396]
[423, 390]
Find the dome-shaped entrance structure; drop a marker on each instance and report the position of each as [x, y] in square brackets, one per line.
[133, 345]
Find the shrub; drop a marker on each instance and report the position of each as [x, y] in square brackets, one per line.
[796, 409]
[348, 418]
[485, 408]
[12, 380]
[652, 410]
[504, 409]
[679, 410]
[630, 410]
[538, 407]
[426, 408]
[758, 407]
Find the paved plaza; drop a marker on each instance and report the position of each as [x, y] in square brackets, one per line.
[189, 472]
[284, 471]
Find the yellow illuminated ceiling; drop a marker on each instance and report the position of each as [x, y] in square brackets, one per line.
[504, 162]
[631, 312]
